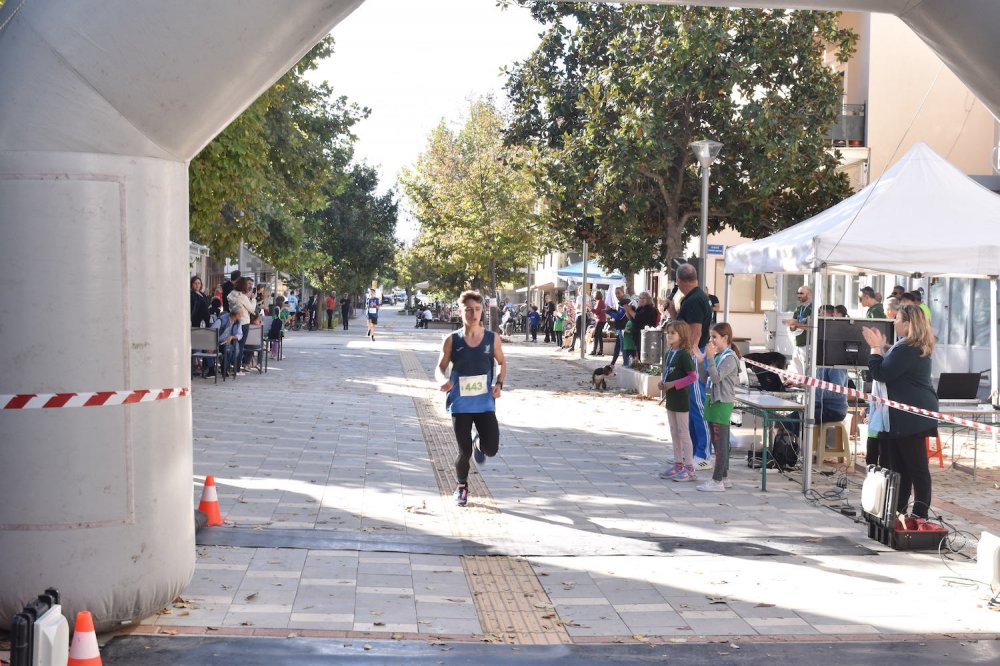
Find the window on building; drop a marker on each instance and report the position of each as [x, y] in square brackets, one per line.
[747, 293]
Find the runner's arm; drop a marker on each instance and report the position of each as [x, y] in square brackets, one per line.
[501, 360]
[444, 360]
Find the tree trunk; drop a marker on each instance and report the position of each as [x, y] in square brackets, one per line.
[494, 310]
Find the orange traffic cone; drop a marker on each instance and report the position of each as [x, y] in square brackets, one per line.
[83, 651]
[210, 502]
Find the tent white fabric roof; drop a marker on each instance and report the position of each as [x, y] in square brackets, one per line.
[922, 216]
[594, 272]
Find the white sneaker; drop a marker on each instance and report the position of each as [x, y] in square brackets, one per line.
[727, 483]
[704, 463]
[711, 486]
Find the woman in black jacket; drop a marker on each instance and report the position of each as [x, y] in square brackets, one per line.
[645, 315]
[905, 369]
[199, 305]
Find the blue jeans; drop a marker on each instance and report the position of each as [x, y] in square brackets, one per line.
[618, 346]
[696, 421]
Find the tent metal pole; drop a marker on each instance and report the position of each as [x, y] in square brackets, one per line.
[809, 417]
[582, 314]
[527, 303]
[728, 279]
[994, 379]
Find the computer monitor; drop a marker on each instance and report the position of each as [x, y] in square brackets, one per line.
[841, 343]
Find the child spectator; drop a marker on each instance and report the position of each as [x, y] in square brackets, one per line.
[720, 363]
[678, 376]
[533, 319]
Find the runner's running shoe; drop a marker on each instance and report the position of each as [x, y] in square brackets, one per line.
[461, 494]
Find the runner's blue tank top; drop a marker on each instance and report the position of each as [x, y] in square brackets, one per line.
[471, 375]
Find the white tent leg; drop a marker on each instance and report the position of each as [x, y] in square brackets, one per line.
[994, 379]
[725, 297]
[808, 417]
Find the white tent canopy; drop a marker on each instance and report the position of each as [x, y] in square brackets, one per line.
[923, 216]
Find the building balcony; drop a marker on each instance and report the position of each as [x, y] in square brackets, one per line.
[849, 128]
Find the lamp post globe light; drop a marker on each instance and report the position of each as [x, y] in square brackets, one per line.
[706, 151]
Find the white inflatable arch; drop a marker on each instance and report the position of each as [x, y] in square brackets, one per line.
[104, 104]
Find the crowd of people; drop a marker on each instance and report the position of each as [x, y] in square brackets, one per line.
[238, 303]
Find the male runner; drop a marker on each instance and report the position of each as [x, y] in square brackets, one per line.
[472, 387]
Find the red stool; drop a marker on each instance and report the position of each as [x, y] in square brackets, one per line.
[935, 453]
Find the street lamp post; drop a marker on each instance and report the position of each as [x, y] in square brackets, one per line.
[706, 151]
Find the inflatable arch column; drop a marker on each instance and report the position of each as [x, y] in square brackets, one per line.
[104, 104]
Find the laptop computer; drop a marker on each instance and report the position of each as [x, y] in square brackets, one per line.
[959, 386]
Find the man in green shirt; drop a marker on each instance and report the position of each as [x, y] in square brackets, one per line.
[869, 299]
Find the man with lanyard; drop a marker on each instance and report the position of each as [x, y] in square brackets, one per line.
[373, 305]
[800, 322]
[870, 301]
[472, 388]
[696, 311]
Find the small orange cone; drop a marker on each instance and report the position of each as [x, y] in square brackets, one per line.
[84, 651]
[210, 502]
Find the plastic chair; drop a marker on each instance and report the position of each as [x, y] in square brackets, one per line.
[841, 451]
[937, 452]
[255, 345]
[204, 346]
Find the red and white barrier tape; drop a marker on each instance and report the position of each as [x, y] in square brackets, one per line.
[96, 399]
[854, 393]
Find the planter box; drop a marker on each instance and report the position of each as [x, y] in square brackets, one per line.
[640, 382]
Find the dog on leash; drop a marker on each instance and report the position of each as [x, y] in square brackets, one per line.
[600, 378]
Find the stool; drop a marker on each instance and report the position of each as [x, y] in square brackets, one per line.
[819, 441]
[935, 453]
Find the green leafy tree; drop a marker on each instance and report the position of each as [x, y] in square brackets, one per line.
[475, 209]
[609, 101]
[278, 161]
[354, 234]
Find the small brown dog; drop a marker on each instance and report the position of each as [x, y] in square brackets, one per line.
[600, 377]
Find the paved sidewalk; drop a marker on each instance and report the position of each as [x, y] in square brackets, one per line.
[334, 473]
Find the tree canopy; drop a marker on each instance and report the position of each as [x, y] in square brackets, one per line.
[280, 160]
[475, 209]
[353, 236]
[609, 101]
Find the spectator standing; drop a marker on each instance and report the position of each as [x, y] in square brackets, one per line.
[696, 311]
[533, 319]
[345, 309]
[916, 298]
[599, 309]
[240, 297]
[617, 320]
[679, 375]
[330, 302]
[628, 344]
[720, 363]
[905, 369]
[870, 300]
[716, 307]
[642, 317]
[199, 305]
[558, 321]
[799, 325]
[548, 318]
[228, 286]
